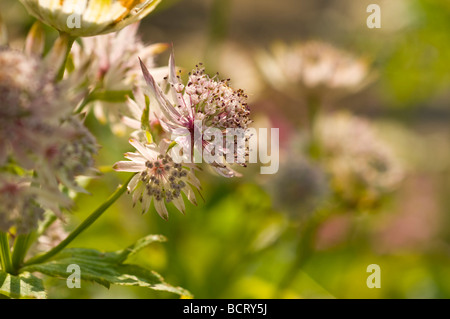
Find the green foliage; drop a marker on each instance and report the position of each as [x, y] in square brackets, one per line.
[24, 285]
[418, 66]
[108, 268]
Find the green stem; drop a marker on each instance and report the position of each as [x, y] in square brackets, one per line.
[21, 245]
[85, 224]
[5, 253]
[68, 40]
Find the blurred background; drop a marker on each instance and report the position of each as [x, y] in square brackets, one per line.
[364, 172]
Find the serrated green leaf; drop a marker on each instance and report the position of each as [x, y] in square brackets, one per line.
[107, 268]
[24, 285]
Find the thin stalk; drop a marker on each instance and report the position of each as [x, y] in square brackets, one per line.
[68, 40]
[85, 224]
[5, 253]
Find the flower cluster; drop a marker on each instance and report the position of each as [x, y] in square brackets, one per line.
[158, 177]
[313, 69]
[41, 127]
[184, 112]
[203, 102]
[114, 70]
[362, 168]
[40, 136]
[18, 204]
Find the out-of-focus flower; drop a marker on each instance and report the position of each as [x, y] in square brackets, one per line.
[313, 69]
[158, 177]
[52, 236]
[362, 168]
[299, 187]
[237, 62]
[204, 100]
[21, 203]
[32, 107]
[81, 18]
[69, 155]
[18, 205]
[114, 70]
[38, 130]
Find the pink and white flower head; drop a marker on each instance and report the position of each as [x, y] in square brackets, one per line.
[115, 68]
[205, 100]
[315, 69]
[38, 130]
[158, 177]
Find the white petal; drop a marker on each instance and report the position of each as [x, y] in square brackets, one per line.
[137, 193]
[193, 180]
[187, 190]
[129, 166]
[136, 157]
[132, 123]
[166, 107]
[145, 151]
[133, 182]
[146, 201]
[179, 204]
[161, 209]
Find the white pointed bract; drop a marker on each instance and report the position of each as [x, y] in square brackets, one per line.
[114, 70]
[205, 100]
[81, 18]
[158, 178]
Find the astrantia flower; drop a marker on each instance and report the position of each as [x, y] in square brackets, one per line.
[313, 68]
[158, 178]
[362, 168]
[299, 187]
[21, 203]
[38, 130]
[31, 106]
[81, 18]
[205, 100]
[69, 155]
[114, 69]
